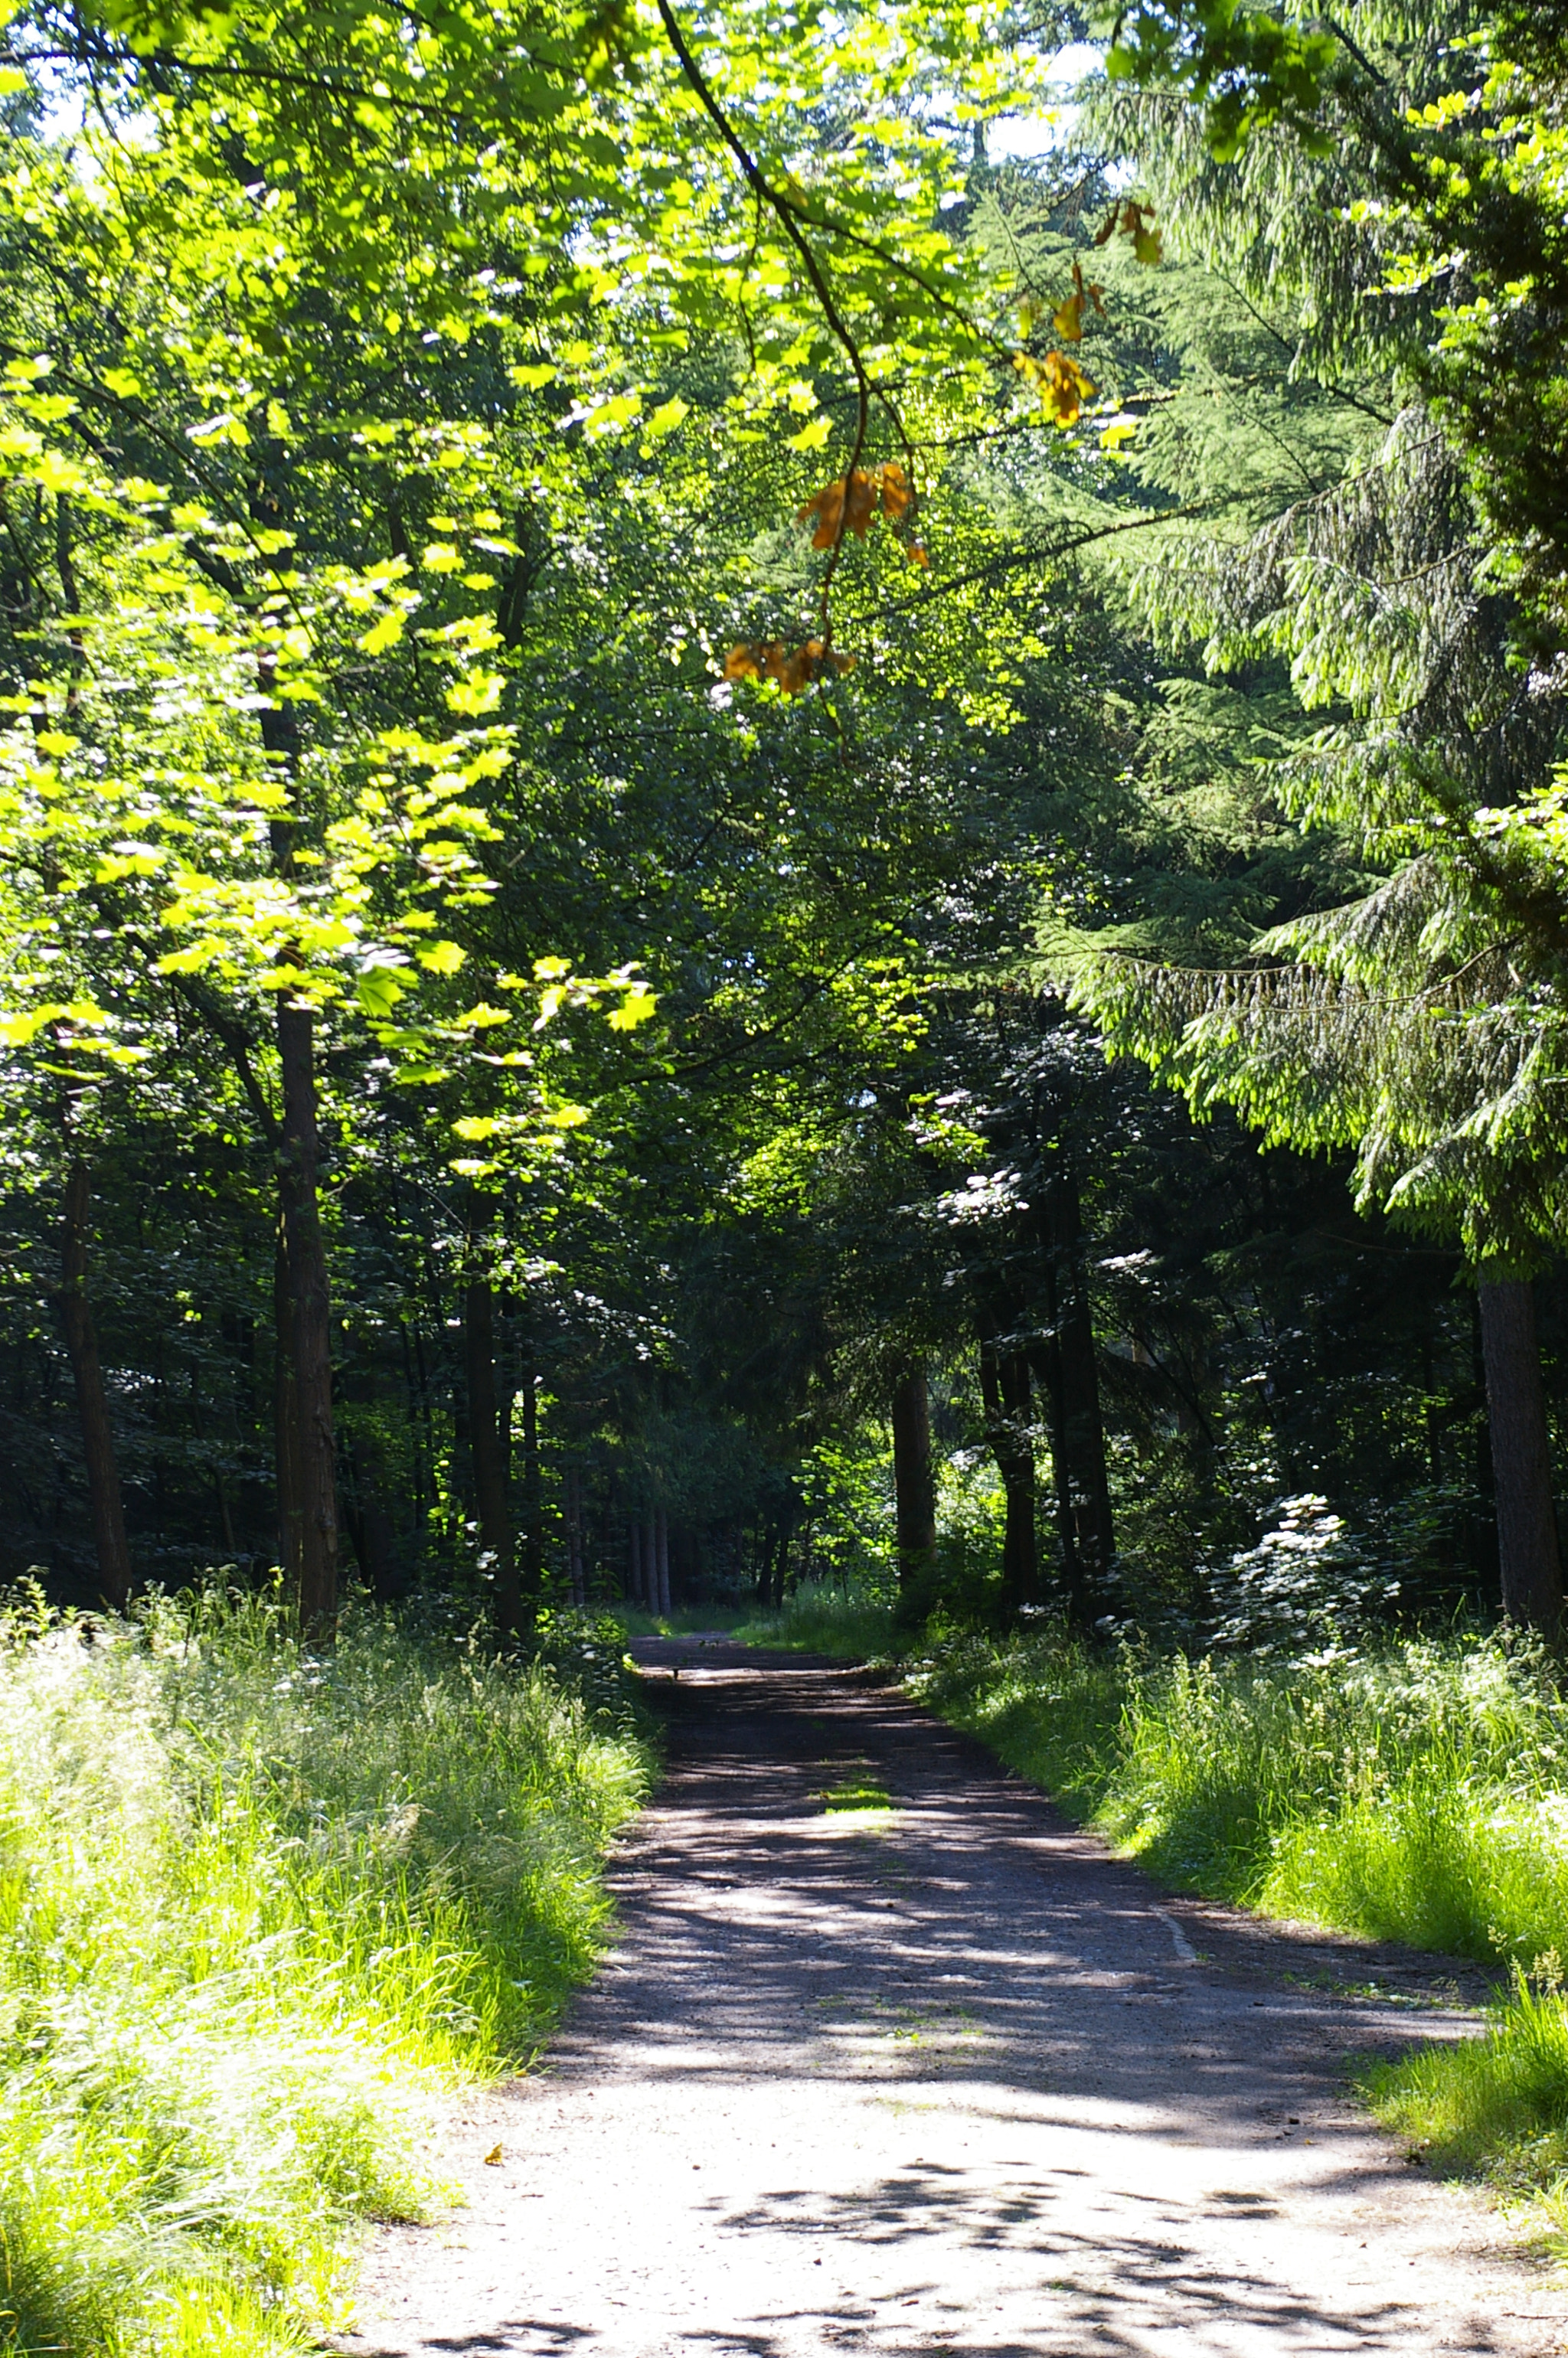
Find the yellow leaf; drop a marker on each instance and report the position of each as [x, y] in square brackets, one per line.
[495, 2154]
[1067, 318]
[384, 633]
[1063, 387]
[442, 957]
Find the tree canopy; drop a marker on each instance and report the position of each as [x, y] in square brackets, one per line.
[630, 651]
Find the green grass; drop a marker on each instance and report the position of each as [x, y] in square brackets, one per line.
[690, 1621]
[855, 1798]
[821, 1619]
[259, 1913]
[1416, 1793]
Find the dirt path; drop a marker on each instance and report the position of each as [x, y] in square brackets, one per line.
[953, 2081]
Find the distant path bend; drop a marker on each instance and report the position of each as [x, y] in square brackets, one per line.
[951, 2081]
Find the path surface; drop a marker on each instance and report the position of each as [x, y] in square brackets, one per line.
[949, 2081]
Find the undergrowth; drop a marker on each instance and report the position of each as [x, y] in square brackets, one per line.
[258, 1908]
[1415, 1791]
[819, 1618]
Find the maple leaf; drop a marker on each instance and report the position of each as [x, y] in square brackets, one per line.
[1060, 383]
[794, 670]
[840, 507]
[897, 490]
[754, 659]
[848, 504]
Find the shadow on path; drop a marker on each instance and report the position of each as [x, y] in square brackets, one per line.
[942, 2077]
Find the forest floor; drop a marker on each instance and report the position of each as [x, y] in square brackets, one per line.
[946, 2078]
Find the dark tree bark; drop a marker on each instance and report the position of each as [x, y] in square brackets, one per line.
[915, 1489]
[286, 1423]
[662, 1559]
[1529, 1563]
[485, 1447]
[1045, 1357]
[370, 1525]
[577, 1570]
[1084, 1428]
[104, 1506]
[533, 1579]
[313, 1331]
[1005, 1393]
[1065, 1364]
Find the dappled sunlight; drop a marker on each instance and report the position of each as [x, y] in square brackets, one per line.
[939, 2082]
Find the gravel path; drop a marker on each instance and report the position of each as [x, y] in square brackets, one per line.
[946, 2080]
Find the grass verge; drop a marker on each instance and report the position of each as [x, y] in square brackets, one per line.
[1417, 1792]
[821, 1619]
[257, 1910]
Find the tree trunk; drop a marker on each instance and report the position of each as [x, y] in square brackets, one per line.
[635, 1562]
[914, 1492]
[1528, 1564]
[651, 1561]
[1045, 1357]
[1085, 1430]
[1005, 1391]
[108, 1539]
[286, 1423]
[312, 1332]
[1064, 1363]
[489, 1457]
[533, 1494]
[372, 1532]
[662, 1559]
[576, 1570]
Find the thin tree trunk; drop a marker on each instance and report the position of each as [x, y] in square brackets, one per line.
[312, 1330]
[634, 1561]
[1005, 1391]
[574, 1567]
[1045, 1357]
[484, 1442]
[533, 1497]
[109, 1540]
[661, 1558]
[914, 1493]
[286, 1423]
[1085, 1430]
[370, 1527]
[651, 1561]
[1529, 1563]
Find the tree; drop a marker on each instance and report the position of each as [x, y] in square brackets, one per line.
[1420, 1022]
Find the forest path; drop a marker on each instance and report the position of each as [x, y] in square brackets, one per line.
[949, 2081]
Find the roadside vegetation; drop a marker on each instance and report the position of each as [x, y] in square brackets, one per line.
[1407, 1788]
[262, 1909]
[761, 858]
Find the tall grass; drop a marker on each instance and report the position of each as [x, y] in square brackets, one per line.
[257, 1909]
[819, 1618]
[1418, 1792]
[1414, 1792]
